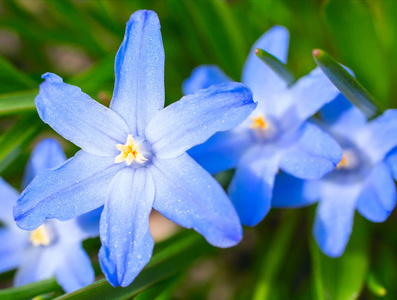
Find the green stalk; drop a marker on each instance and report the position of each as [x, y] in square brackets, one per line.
[274, 258]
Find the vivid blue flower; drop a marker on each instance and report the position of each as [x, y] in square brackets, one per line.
[53, 249]
[362, 180]
[133, 156]
[276, 135]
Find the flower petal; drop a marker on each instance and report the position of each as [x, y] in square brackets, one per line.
[78, 186]
[89, 222]
[308, 95]
[11, 248]
[38, 263]
[189, 196]
[342, 117]
[81, 120]
[47, 154]
[139, 87]
[126, 241]
[74, 270]
[290, 191]
[392, 161]
[252, 185]
[262, 80]
[195, 118]
[8, 199]
[313, 154]
[378, 197]
[334, 217]
[203, 77]
[223, 150]
[379, 137]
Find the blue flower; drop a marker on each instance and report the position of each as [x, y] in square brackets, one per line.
[53, 249]
[362, 180]
[276, 135]
[133, 156]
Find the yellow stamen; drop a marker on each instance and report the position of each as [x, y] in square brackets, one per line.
[129, 152]
[259, 123]
[40, 236]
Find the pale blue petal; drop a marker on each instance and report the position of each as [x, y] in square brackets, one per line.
[290, 191]
[81, 120]
[262, 80]
[392, 161]
[334, 217]
[342, 117]
[380, 136]
[47, 154]
[74, 270]
[195, 118]
[252, 185]
[378, 197]
[12, 245]
[139, 87]
[307, 96]
[189, 196]
[313, 154]
[69, 232]
[78, 186]
[38, 263]
[223, 150]
[8, 198]
[203, 77]
[126, 241]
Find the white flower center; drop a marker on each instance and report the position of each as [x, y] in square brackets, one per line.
[131, 152]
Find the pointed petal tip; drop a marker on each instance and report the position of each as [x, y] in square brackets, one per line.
[51, 77]
[144, 15]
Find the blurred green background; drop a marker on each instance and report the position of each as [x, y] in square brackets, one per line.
[78, 40]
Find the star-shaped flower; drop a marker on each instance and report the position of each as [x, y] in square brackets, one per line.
[362, 181]
[276, 135]
[54, 248]
[133, 156]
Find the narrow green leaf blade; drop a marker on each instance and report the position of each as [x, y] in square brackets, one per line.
[272, 262]
[375, 286]
[30, 290]
[15, 103]
[346, 83]
[276, 65]
[14, 139]
[169, 259]
[12, 79]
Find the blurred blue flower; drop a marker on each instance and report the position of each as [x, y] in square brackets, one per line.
[362, 180]
[133, 156]
[275, 136]
[53, 249]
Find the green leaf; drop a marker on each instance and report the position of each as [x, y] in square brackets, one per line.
[12, 79]
[13, 141]
[276, 65]
[273, 260]
[342, 278]
[365, 53]
[374, 285]
[160, 291]
[170, 258]
[15, 103]
[346, 83]
[30, 290]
